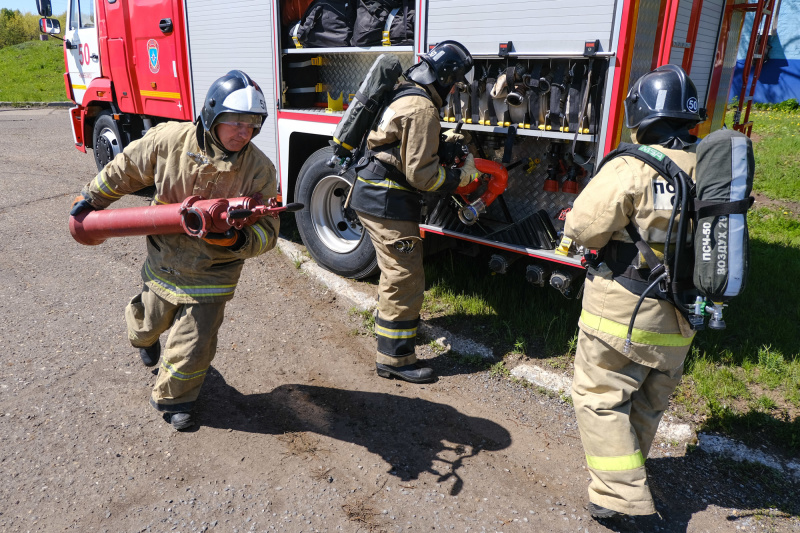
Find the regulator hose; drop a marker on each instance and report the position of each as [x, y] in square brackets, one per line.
[627, 348]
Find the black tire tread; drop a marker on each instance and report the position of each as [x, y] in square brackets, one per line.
[357, 268]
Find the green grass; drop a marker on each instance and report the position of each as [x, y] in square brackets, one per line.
[32, 72]
[777, 151]
[502, 310]
[499, 369]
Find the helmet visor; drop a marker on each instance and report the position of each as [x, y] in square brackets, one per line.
[240, 120]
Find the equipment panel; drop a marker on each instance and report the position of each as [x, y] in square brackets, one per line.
[218, 45]
[544, 28]
[705, 46]
[326, 80]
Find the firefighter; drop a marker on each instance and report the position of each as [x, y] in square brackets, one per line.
[187, 281]
[619, 397]
[402, 164]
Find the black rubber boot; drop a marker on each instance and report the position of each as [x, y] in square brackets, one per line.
[181, 421]
[598, 511]
[151, 354]
[413, 373]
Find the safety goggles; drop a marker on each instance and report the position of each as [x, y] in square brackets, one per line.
[240, 125]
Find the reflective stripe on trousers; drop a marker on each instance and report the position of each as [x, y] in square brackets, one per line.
[190, 347]
[618, 404]
[396, 337]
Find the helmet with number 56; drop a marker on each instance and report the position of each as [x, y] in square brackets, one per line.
[664, 93]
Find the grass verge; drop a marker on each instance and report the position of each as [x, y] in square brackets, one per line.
[32, 72]
[504, 311]
[776, 139]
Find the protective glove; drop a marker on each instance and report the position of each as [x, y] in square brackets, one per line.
[450, 136]
[231, 238]
[468, 171]
[79, 205]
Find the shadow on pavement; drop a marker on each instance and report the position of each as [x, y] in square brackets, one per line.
[410, 434]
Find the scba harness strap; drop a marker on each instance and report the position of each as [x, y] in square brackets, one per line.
[623, 260]
[380, 188]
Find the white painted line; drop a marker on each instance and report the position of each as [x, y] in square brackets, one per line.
[739, 452]
[339, 285]
[559, 383]
[456, 343]
[673, 432]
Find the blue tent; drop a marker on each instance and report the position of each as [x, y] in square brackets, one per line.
[780, 75]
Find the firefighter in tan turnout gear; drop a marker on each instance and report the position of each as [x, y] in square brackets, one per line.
[187, 281]
[403, 162]
[619, 397]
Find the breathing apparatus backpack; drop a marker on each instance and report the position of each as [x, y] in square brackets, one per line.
[721, 246]
[372, 96]
[707, 263]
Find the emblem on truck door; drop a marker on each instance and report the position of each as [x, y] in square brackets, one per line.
[152, 53]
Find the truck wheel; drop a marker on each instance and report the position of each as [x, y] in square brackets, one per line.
[332, 234]
[107, 140]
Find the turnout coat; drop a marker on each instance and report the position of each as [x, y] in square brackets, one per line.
[180, 159]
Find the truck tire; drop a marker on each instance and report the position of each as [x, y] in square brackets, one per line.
[332, 234]
[107, 140]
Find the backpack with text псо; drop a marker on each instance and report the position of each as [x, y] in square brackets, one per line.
[699, 274]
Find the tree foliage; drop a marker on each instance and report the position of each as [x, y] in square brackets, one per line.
[16, 27]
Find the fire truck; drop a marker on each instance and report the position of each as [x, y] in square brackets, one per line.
[131, 64]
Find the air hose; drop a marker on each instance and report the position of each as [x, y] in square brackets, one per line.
[627, 348]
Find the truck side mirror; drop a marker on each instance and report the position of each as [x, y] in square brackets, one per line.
[50, 26]
[44, 8]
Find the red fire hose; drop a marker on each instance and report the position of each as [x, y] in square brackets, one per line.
[195, 216]
[497, 185]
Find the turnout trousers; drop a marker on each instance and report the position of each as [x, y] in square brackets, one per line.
[619, 404]
[398, 247]
[189, 350]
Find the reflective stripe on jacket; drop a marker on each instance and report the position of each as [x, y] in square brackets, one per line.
[179, 268]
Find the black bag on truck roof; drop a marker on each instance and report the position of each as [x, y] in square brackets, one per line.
[725, 168]
[384, 22]
[326, 23]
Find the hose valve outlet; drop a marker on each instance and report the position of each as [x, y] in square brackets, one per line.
[535, 275]
[499, 263]
[468, 215]
[560, 280]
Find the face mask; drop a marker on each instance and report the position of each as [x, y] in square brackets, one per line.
[441, 90]
[664, 132]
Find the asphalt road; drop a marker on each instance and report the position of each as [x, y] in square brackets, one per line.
[296, 433]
